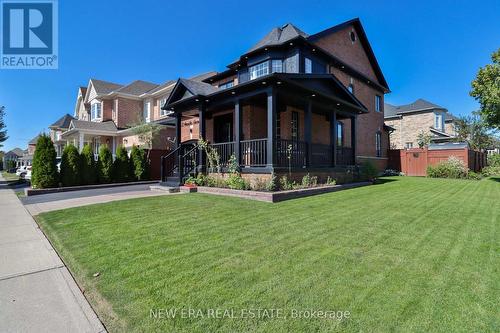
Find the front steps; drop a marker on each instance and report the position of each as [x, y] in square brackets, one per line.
[165, 187]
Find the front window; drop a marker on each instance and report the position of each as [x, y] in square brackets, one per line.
[378, 103]
[340, 134]
[147, 111]
[438, 121]
[378, 144]
[259, 70]
[409, 145]
[308, 66]
[295, 126]
[226, 85]
[162, 104]
[95, 111]
[277, 66]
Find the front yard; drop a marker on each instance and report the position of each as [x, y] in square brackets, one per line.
[9, 176]
[411, 254]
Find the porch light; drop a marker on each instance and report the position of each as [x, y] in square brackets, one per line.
[197, 100]
[342, 67]
[279, 82]
[207, 100]
[246, 57]
[313, 95]
[291, 44]
[314, 50]
[368, 81]
[232, 92]
[265, 49]
[263, 82]
[338, 104]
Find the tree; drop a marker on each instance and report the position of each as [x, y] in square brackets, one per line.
[44, 169]
[423, 139]
[88, 166]
[105, 165]
[486, 90]
[121, 166]
[140, 165]
[147, 133]
[3, 131]
[474, 131]
[70, 166]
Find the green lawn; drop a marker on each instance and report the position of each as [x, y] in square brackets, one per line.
[9, 176]
[411, 254]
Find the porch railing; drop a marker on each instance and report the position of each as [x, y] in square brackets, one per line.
[345, 156]
[321, 155]
[291, 153]
[225, 150]
[253, 153]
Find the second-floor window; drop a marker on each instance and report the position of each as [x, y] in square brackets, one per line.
[147, 111]
[226, 85]
[259, 70]
[308, 67]
[438, 121]
[95, 111]
[162, 104]
[276, 66]
[378, 103]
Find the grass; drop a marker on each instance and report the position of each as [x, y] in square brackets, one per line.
[411, 254]
[9, 176]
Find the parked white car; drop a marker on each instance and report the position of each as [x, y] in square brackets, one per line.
[27, 175]
[21, 170]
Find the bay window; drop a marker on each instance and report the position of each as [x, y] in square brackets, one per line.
[259, 70]
[276, 66]
[308, 66]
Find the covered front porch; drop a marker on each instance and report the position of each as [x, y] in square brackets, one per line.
[81, 133]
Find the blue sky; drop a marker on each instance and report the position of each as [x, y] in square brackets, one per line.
[426, 49]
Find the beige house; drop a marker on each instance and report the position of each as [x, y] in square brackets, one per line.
[408, 121]
[56, 131]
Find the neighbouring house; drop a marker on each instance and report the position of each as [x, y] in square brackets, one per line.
[408, 121]
[306, 103]
[57, 129]
[13, 155]
[27, 158]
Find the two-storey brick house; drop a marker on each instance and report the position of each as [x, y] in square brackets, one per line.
[421, 116]
[57, 129]
[312, 103]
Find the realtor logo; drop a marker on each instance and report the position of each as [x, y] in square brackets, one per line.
[29, 34]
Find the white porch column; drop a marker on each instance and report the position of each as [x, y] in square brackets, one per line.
[80, 147]
[114, 147]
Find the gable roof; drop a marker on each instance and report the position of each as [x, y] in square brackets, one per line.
[278, 36]
[104, 87]
[419, 105]
[108, 126]
[356, 23]
[34, 140]
[16, 151]
[62, 122]
[186, 88]
[137, 88]
[162, 86]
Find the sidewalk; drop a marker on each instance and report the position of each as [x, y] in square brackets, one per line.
[37, 292]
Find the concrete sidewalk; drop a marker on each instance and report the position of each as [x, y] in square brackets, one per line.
[37, 292]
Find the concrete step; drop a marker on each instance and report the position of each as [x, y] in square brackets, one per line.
[163, 188]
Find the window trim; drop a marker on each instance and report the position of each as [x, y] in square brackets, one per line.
[162, 102]
[378, 103]
[147, 118]
[264, 69]
[441, 122]
[94, 105]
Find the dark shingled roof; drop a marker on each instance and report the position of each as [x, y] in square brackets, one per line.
[62, 122]
[198, 88]
[137, 88]
[278, 36]
[449, 117]
[161, 86]
[104, 87]
[34, 140]
[419, 105]
[108, 126]
[17, 151]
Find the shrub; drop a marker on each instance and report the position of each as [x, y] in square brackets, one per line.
[392, 172]
[494, 160]
[474, 176]
[105, 165]
[271, 184]
[140, 165]
[330, 181]
[121, 166]
[308, 181]
[490, 171]
[236, 182]
[368, 171]
[259, 184]
[70, 166]
[88, 169]
[452, 168]
[285, 184]
[44, 167]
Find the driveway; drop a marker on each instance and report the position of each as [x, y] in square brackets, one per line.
[37, 292]
[54, 201]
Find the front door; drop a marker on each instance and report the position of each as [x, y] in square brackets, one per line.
[223, 128]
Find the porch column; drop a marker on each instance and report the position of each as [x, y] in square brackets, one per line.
[80, 142]
[178, 120]
[353, 138]
[237, 130]
[271, 127]
[333, 137]
[113, 152]
[203, 135]
[308, 131]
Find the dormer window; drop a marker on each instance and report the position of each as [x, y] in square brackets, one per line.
[308, 66]
[259, 70]
[438, 121]
[95, 111]
[277, 66]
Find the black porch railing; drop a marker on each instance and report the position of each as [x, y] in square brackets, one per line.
[321, 155]
[253, 153]
[291, 153]
[345, 156]
[224, 150]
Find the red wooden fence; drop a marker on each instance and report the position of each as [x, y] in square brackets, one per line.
[414, 161]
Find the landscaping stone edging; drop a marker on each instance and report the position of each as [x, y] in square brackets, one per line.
[37, 191]
[278, 196]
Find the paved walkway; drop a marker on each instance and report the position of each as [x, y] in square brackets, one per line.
[37, 292]
[47, 202]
